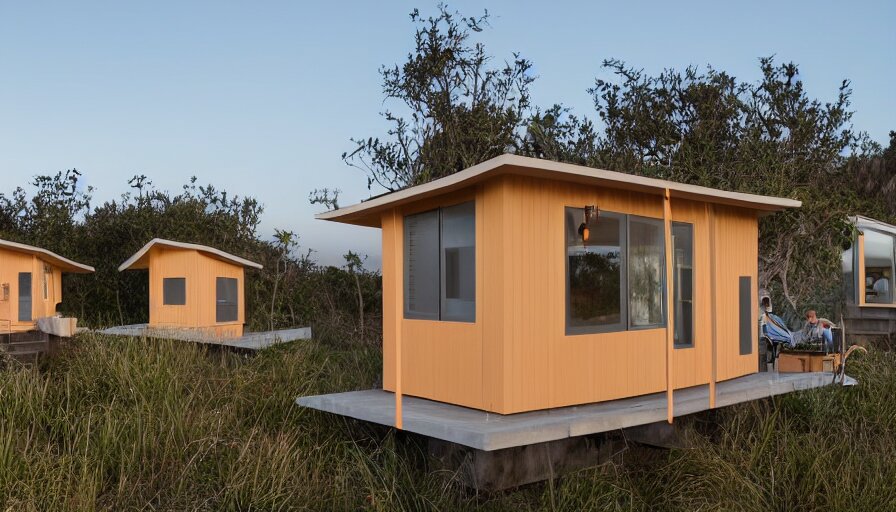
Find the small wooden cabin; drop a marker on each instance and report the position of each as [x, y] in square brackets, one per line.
[31, 284]
[193, 287]
[522, 284]
[869, 267]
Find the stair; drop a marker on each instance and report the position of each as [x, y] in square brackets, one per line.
[25, 347]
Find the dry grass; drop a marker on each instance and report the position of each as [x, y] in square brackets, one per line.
[123, 424]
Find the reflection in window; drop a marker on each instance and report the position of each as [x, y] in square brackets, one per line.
[645, 272]
[594, 272]
[458, 243]
[440, 264]
[683, 283]
[878, 268]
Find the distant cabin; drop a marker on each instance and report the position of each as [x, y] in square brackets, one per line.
[869, 266]
[31, 284]
[193, 287]
[522, 284]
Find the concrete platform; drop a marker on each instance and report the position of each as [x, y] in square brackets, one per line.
[249, 340]
[489, 431]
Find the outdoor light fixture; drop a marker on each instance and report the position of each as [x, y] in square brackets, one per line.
[591, 214]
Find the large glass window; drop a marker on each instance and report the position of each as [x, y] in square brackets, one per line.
[458, 269]
[683, 283]
[595, 272]
[646, 255]
[879, 263]
[440, 264]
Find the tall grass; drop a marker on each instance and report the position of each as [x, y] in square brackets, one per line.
[127, 424]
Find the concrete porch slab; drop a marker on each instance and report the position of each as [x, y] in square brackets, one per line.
[249, 340]
[490, 431]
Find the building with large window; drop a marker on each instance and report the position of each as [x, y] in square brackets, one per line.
[193, 287]
[869, 265]
[31, 284]
[522, 284]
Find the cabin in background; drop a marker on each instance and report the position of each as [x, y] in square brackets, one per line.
[869, 266]
[522, 284]
[193, 287]
[31, 284]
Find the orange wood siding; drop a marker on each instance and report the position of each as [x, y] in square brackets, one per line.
[11, 264]
[440, 360]
[737, 234]
[200, 272]
[516, 356]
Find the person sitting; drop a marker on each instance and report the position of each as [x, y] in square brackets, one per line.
[815, 330]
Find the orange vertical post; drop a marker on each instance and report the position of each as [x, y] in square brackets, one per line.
[397, 257]
[711, 226]
[860, 254]
[670, 318]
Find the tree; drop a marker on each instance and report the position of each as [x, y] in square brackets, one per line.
[458, 110]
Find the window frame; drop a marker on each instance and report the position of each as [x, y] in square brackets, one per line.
[622, 325]
[439, 284]
[861, 286]
[625, 316]
[693, 228]
[236, 301]
[164, 295]
[664, 295]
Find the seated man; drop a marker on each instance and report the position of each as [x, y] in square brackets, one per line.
[815, 330]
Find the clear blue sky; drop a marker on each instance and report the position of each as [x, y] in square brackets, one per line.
[261, 98]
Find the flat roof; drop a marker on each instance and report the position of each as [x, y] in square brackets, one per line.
[490, 431]
[140, 259]
[62, 262]
[367, 213]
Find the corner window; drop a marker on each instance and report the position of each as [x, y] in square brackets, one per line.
[174, 291]
[595, 277]
[440, 264]
[226, 299]
[879, 267]
[683, 283]
[615, 272]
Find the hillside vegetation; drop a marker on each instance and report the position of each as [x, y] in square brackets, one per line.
[111, 423]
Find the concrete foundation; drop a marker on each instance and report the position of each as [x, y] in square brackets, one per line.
[249, 341]
[489, 431]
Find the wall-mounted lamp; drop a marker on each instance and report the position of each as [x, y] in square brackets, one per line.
[592, 213]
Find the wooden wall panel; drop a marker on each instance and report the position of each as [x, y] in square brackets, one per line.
[737, 233]
[200, 272]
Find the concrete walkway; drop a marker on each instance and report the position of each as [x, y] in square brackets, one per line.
[249, 340]
[490, 431]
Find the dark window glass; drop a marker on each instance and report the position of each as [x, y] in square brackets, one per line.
[746, 315]
[226, 299]
[683, 286]
[595, 273]
[458, 242]
[421, 265]
[174, 291]
[646, 269]
[24, 296]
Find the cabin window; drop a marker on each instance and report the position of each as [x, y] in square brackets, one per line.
[174, 291]
[879, 267]
[227, 299]
[615, 272]
[595, 277]
[683, 283]
[25, 296]
[646, 263]
[45, 284]
[440, 264]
